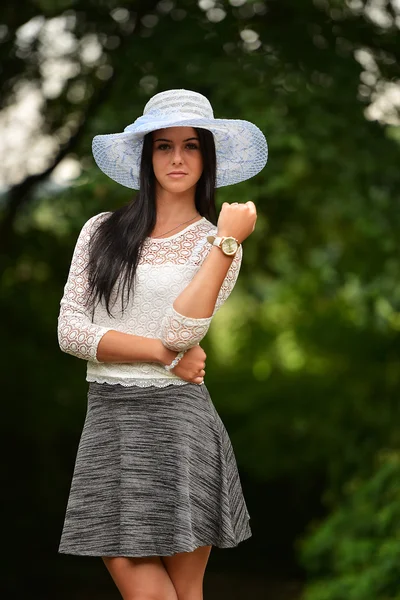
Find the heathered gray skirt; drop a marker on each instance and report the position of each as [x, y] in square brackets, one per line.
[155, 474]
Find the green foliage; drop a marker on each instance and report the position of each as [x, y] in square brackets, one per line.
[355, 553]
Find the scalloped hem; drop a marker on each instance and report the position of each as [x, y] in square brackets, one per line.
[143, 383]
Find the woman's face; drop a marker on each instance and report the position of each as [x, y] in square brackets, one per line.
[177, 158]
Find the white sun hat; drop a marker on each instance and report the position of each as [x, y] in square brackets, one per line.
[241, 147]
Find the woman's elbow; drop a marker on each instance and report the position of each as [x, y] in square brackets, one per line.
[67, 340]
[181, 343]
[65, 345]
[176, 345]
[62, 340]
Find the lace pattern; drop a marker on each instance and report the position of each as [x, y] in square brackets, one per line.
[140, 382]
[77, 335]
[166, 266]
[179, 332]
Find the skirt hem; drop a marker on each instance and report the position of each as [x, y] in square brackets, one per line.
[141, 553]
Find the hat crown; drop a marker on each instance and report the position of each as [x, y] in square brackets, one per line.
[187, 103]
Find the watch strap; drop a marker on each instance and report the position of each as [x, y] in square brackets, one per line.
[214, 240]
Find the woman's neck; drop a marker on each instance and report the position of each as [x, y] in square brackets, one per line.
[174, 208]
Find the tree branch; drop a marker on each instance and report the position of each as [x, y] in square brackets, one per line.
[20, 194]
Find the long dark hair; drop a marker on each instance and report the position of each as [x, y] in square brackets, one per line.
[116, 244]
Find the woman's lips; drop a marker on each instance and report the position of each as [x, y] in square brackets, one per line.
[176, 175]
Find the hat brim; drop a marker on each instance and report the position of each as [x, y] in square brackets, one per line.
[241, 149]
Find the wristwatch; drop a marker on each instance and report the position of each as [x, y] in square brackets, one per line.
[229, 245]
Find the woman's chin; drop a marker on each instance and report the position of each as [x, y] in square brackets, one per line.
[177, 186]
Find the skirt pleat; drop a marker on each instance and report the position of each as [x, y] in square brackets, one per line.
[155, 474]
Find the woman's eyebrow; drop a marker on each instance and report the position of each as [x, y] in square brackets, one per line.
[165, 140]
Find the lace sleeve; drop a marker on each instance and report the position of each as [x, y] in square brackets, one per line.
[77, 335]
[179, 332]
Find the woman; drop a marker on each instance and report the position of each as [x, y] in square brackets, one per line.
[155, 483]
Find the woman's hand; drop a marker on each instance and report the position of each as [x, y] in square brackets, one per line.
[237, 220]
[191, 366]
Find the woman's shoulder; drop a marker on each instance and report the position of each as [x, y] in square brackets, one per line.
[97, 219]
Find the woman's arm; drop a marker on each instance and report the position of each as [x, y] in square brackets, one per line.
[116, 346]
[77, 335]
[187, 321]
[198, 300]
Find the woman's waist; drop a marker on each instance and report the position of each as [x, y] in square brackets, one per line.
[129, 372]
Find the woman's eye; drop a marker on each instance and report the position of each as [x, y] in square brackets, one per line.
[168, 146]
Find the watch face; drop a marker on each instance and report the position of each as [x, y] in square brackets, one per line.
[229, 246]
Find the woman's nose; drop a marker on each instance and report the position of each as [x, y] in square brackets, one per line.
[177, 156]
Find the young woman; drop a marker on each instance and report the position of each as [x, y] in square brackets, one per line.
[155, 483]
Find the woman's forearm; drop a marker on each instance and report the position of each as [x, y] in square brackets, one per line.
[116, 346]
[198, 299]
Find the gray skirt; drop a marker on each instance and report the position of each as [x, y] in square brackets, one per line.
[155, 474]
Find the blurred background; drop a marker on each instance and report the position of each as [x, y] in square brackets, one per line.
[303, 360]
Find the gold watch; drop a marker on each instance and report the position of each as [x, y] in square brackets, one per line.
[229, 245]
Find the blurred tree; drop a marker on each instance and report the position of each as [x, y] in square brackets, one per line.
[355, 554]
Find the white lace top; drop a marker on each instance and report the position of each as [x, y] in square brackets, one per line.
[166, 266]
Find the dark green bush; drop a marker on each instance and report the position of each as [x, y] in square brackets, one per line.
[355, 553]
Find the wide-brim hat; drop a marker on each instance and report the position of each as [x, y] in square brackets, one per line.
[241, 147]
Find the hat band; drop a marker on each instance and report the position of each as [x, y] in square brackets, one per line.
[181, 103]
[160, 117]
